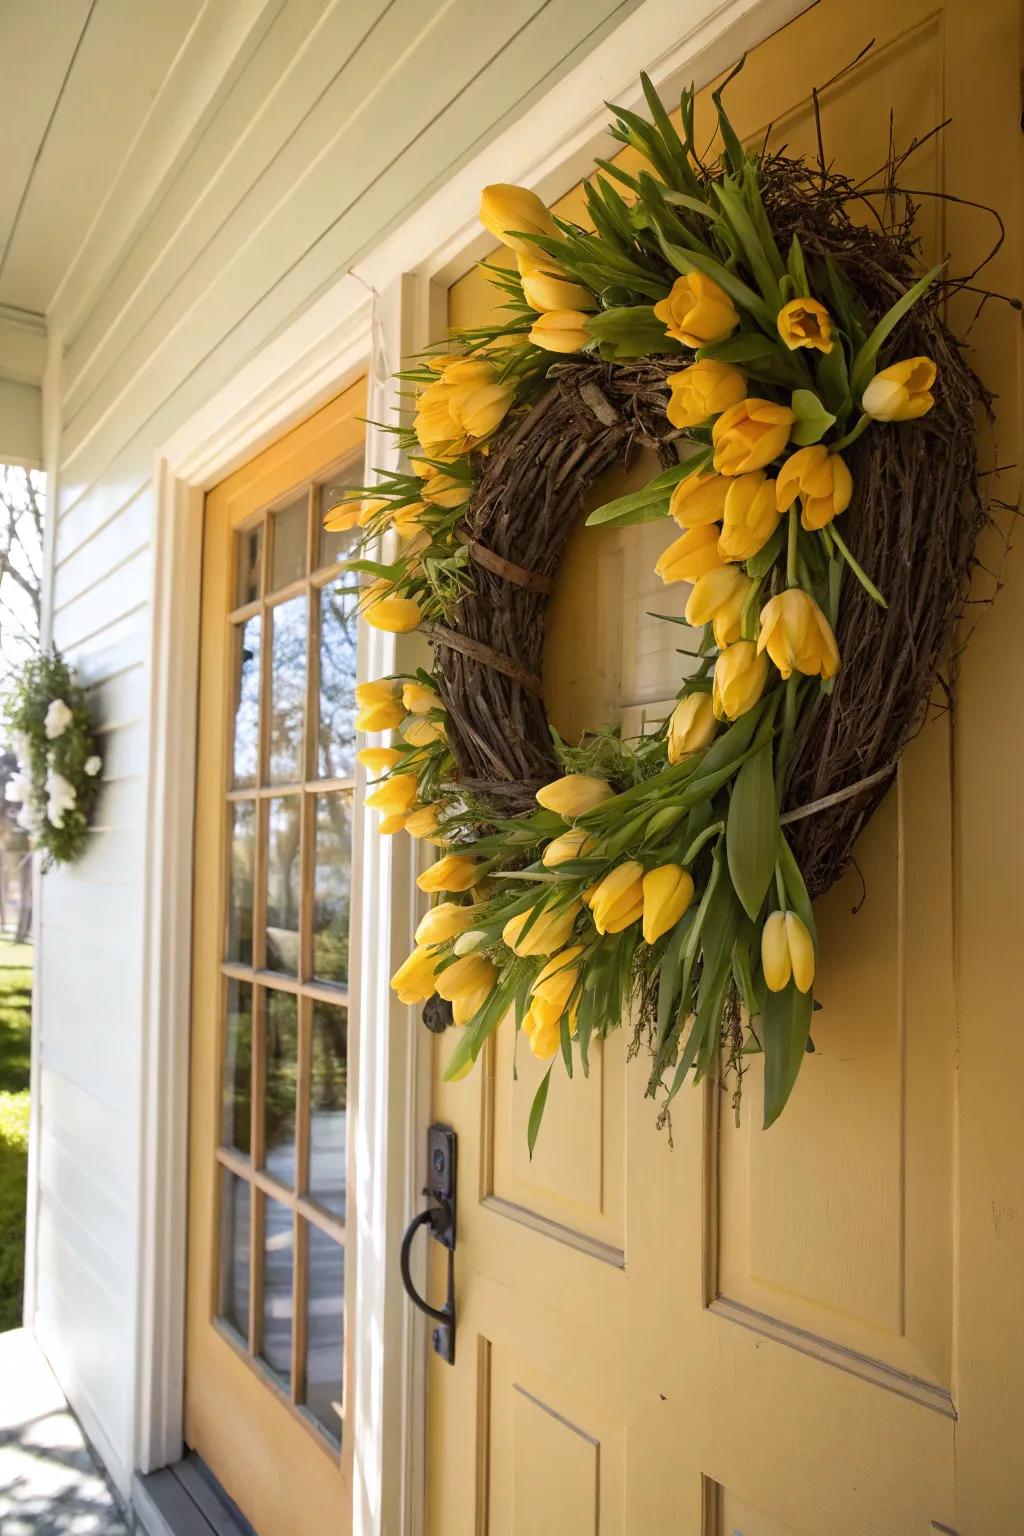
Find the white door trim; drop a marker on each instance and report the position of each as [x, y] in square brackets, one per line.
[381, 310]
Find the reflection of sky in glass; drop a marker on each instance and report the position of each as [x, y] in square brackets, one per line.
[234, 1252]
[280, 1095]
[332, 887]
[289, 544]
[243, 852]
[235, 1130]
[325, 1330]
[247, 703]
[287, 690]
[283, 884]
[278, 1308]
[337, 736]
[327, 1100]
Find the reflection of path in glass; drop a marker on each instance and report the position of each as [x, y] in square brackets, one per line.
[327, 1159]
[235, 1252]
[325, 1325]
[278, 1250]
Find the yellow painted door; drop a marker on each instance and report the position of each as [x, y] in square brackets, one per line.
[716, 1330]
[270, 1173]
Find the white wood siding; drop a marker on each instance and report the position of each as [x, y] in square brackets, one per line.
[287, 139]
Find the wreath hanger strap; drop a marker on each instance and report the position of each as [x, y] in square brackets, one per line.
[477, 651]
[507, 569]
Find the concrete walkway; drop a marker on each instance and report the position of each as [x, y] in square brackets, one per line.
[50, 1483]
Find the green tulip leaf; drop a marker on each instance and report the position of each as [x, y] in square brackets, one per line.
[812, 419]
[752, 831]
[785, 1027]
[652, 501]
[631, 331]
[540, 1100]
[864, 362]
[760, 564]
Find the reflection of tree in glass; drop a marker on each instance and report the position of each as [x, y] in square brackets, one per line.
[332, 887]
[247, 704]
[330, 1059]
[282, 1076]
[238, 1067]
[243, 852]
[287, 690]
[283, 885]
[337, 684]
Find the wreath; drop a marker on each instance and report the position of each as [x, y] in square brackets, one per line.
[57, 781]
[813, 419]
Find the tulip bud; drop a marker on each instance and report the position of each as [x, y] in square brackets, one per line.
[822, 481]
[560, 330]
[805, 323]
[574, 795]
[797, 635]
[618, 899]
[547, 932]
[692, 727]
[691, 556]
[667, 892]
[377, 760]
[741, 673]
[419, 699]
[697, 311]
[350, 513]
[455, 872]
[787, 949]
[423, 823]
[727, 620]
[542, 1026]
[397, 615]
[380, 705]
[414, 980]
[751, 516]
[557, 979]
[442, 490]
[699, 500]
[901, 392]
[390, 824]
[420, 732]
[469, 981]
[395, 795]
[574, 844]
[718, 586]
[406, 520]
[703, 390]
[512, 213]
[749, 435]
[544, 292]
[443, 922]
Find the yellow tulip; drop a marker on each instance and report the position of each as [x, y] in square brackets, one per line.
[704, 389]
[697, 311]
[805, 323]
[901, 392]
[574, 844]
[390, 824]
[445, 921]
[406, 520]
[618, 899]
[699, 500]
[548, 933]
[377, 760]
[455, 872]
[560, 330]
[472, 976]
[574, 795]
[414, 980]
[691, 727]
[396, 795]
[351, 514]
[821, 480]
[556, 981]
[462, 407]
[418, 731]
[740, 676]
[721, 585]
[751, 516]
[380, 705]
[463, 1010]
[797, 635]
[545, 292]
[667, 892]
[542, 1027]
[419, 699]
[512, 213]
[691, 556]
[749, 435]
[727, 619]
[383, 610]
[423, 823]
[442, 490]
[786, 950]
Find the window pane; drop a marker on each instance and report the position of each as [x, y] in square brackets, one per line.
[282, 1037]
[289, 544]
[248, 550]
[337, 732]
[247, 702]
[237, 1082]
[334, 546]
[325, 1330]
[278, 1308]
[240, 894]
[234, 1252]
[327, 1100]
[284, 880]
[287, 690]
[332, 881]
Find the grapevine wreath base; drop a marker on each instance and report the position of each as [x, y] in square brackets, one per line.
[666, 877]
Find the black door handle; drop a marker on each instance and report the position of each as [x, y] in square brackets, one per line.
[440, 1218]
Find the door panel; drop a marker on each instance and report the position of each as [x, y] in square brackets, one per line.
[719, 1329]
[269, 1155]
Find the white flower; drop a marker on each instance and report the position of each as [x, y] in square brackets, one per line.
[61, 797]
[93, 766]
[58, 718]
[23, 750]
[18, 788]
[28, 817]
